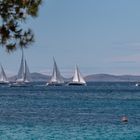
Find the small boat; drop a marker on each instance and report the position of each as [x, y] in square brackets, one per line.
[124, 119]
[23, 77]
[137, 84]
[56, 78]
[3, 77]
[78, 79]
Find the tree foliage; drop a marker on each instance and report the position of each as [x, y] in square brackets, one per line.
[13, 13]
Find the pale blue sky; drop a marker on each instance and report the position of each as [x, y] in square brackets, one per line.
[101, 36]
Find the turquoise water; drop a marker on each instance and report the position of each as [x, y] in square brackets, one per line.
[70, 113]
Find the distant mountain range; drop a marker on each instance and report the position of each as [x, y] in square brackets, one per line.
[112, 78]
[89, 78]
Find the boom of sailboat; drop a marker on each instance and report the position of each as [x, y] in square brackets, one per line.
[24, 76]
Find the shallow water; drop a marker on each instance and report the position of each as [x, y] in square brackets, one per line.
[92, 112]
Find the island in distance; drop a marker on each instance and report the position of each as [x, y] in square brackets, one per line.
[88, 78]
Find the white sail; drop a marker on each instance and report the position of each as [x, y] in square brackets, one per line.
[27, 76]
[76, 75]
[3, 77]
[81, 79]
[77, 78]
[20, 77]
[56, 76]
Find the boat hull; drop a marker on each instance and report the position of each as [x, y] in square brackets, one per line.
[19, 84]
[54, 84]
[76, 84]
[4, 83]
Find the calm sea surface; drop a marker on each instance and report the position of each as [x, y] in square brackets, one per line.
[92, 112]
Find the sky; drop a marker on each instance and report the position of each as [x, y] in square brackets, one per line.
[100, 36]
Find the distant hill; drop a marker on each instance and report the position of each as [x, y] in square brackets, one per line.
[112, 78]
[95, 77]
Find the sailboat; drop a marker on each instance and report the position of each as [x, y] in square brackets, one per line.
[56, 78]
[77, 78]
[23, 76]
[3, 77]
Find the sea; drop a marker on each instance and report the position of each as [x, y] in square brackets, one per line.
[92, 112]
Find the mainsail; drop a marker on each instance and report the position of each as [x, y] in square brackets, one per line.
[56, 76]
[3, 77]
[27, 76]
[76, 75]
[77, 78]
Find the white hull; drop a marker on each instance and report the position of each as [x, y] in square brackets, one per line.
[55, 84]
[3, 83]
[19, 84]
